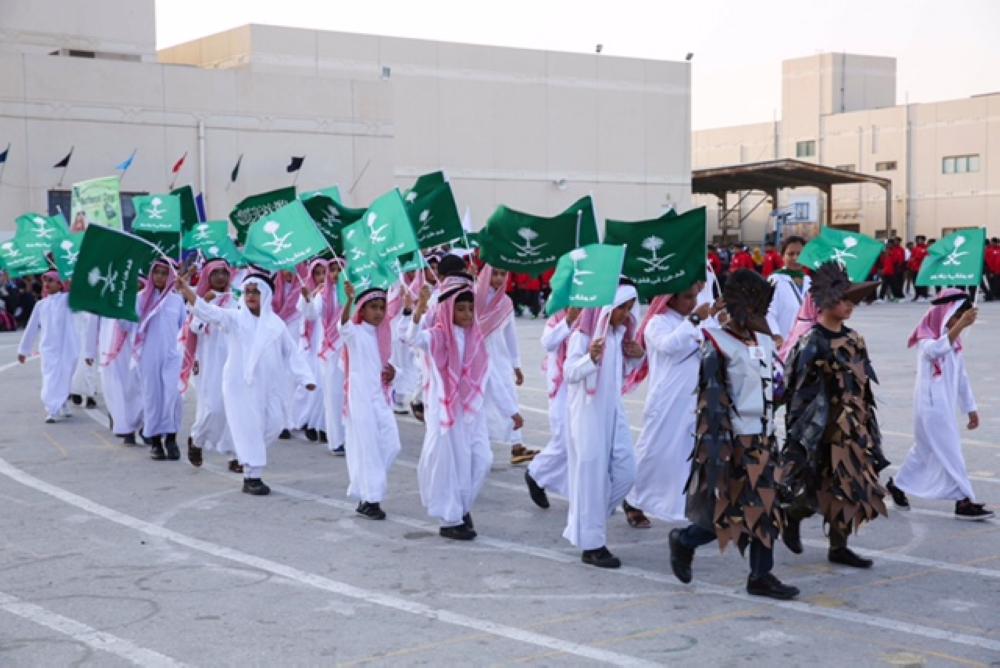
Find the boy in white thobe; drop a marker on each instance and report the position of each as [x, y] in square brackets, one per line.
[51, 325]
[601, 462]
[456, 455]
[110, 342]
[158, 356]
[372, 436]
[671, 336]
[331, 366]
[935, 467]
[547, 470]
[260, 349]
[207, 348]
[310, 405]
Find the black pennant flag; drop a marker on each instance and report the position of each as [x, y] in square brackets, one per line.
[65, 161]
[236, 170]
[295, 164]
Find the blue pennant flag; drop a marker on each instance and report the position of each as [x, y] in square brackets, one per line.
[124, 165]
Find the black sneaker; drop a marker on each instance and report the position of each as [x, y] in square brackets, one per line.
[322, 436]
[845, 556]
[418, 410]
[284, 435]
[339, 450]
[601, 557]
[460, 532]
[312, 434]
[76, 399]
[791, 536]
[536, 492]
[772, 587]
[255, 487]
[967, 510]
[127, 439]
[91, 403]
[235, 466]
[156, 449]
[370, 510]
[898, 495]
[194, 453]
[681, 557]
[467, 521]
[173, 452]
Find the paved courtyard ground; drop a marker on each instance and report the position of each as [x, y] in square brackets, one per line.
[109, 558]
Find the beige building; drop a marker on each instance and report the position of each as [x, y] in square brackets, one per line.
[531, 129]
[839, 110]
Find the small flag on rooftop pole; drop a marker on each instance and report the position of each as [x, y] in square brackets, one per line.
[175, 170]
[63, 164]
[3, 160]
[125, 164]
[295, 164]
[235, 174]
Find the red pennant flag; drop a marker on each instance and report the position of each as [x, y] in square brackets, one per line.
[180, 163]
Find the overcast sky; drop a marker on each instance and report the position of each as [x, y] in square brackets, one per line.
[943, 49]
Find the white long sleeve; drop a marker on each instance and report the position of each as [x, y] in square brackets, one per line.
[579, 366]
[510, 341]
[966, 399]
[679, 341]
[31, 332]
[553, 337]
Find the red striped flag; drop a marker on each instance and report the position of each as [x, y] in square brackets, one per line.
[180, 163]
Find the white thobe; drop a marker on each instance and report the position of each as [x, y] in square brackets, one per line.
[501, 392]
[601, 462]
[668, 419]
[785, 303]
[548, 468]
[935, 468]
[119, 378]
[310, 404]
[51, 326]
[254, 410]
[210, 429]
[292, 394]
[85, 376]
[407, 380]
[372, 438]
[159, 363]
[453, 463]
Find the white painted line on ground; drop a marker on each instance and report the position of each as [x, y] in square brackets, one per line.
[915, 561]
[11, 365]
[87, 635]
[930, 632]
[318, 581]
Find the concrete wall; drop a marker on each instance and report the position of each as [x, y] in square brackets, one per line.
[114, 26]
[507, 125]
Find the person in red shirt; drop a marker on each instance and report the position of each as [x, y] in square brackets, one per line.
[898, 255]
[917, 256]
[992, 261]
[528, 291]
[772, 260]
[742, 260]
[715, 259]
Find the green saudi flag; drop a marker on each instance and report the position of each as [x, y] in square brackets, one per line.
[19, 261]
[327, 211]
[424, 185]
[956, 259]
[255, 207]
[189, 209]
[365, 269]
[66, 253]
[158, 221]
[96, 201]
[586, 277]
[434, 217]
[212, 240]
[528, 244]
[283, 239]
[106, 275]
[38, 232]
[664, 255]
[855, 252]
[387, 226]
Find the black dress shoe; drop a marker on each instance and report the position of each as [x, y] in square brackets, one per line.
[173, 452]
[255, 487]
[601, 557]
[194, 453]
[845, 556]
[235, 466]
[156, 449]
[284, 435]
[772, 587]
[312, 435]
[370, 510]
[91, 403]
[417, 407]
[322, 437]
[467, 521]
[536, 493]
[791, 536]
[76, 399]
[898, 496]
[460, 532]
[681, 557]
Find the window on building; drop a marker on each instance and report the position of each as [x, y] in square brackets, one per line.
[805, 149]
[846, 168]
[59, 202]
[887, 166]
[960, 164]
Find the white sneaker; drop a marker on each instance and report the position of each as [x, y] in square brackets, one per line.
[51, 419]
